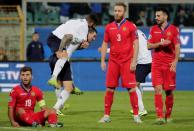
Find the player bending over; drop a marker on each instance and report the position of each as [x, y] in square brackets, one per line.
[22, 102]
[70, 35]
[65, 76]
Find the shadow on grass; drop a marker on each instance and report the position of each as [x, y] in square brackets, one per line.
[183, 120]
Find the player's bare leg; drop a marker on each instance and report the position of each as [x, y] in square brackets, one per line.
[169, 105]
[159, 105]
[108, 100]
[134, 104]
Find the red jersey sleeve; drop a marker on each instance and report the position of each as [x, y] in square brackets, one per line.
[150, 38]
[39, 94]
[12, 98]
[106, 35]
[134, 34]
[176, 38]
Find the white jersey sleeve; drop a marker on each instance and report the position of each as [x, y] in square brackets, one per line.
[80, 34]
[77, 27]
[144, 55]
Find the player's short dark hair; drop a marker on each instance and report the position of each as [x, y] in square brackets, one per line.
[92, 29]
[26, 68]
[164, 10]
[121, 4]
[93, 18]
[35, 33]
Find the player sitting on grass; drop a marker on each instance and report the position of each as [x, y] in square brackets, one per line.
[22, 102]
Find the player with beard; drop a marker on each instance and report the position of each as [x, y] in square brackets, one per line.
[165, 42]
[123, 39]
[22, 103]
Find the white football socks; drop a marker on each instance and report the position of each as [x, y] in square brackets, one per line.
[140, 101]
[58, 66]
[62, 99]
[61, 62]
[58, 92]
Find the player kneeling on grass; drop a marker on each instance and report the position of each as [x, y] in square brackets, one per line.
[22, 102]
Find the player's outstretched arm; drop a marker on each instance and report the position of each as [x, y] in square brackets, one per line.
[65, 41]
[11, 117]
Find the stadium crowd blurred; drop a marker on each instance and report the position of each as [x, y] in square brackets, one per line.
[43, 14]
[140, 14]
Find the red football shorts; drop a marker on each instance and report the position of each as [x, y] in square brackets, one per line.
[161, 75]
[36, 116]
[117, 70]
[39, 117]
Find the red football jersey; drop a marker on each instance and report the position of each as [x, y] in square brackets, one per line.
[20, 98]
[164, 55]
[121, 38]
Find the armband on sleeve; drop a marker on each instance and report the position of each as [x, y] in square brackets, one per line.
[41, 103]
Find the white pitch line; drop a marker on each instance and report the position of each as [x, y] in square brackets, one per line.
[20, 128]
[16, 128]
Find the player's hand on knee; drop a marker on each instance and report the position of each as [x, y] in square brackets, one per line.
[103, 66]
[15, 124]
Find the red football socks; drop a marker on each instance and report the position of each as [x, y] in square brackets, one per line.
[134, 102]
[159, 105]
[108, 100]
[169, 104]
[52, 118]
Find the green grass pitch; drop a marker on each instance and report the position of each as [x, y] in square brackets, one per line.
[87, 109]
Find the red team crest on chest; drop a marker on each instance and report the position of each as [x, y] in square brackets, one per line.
[32, 93]
[124, 28]
[169, 33]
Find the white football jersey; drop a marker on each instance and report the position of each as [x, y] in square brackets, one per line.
[144, 55]
[77, 27]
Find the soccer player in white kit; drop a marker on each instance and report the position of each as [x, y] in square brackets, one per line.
[73, 33]
[143, 68]
[68, 35]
